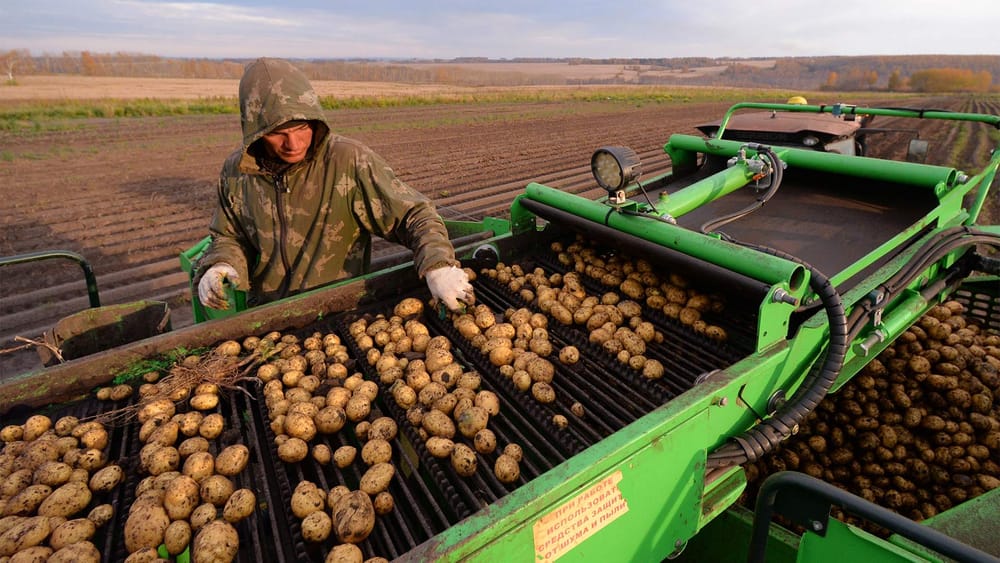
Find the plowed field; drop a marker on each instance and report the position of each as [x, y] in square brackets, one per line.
[131, 194]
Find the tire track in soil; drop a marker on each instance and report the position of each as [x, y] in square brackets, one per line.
[130, 195]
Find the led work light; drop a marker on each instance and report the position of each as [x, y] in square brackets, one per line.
[615, 167]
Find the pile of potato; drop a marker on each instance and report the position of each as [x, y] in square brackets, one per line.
[613, 323]
[188, 491]
[49, 476]
[917, 430]
[442, 400]
[310, 392]
[347, 515]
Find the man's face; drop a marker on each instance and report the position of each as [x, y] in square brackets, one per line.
[291, 142]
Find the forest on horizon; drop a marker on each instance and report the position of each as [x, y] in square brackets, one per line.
[921, 73]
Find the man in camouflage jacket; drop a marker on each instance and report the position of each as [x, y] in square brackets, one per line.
[298, 205]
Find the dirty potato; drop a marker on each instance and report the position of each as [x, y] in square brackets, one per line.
[239, 506]
[316, 527]
[344, 456]
[72, 531]
[377, 478]
[232, 460]
[353, 517]
[216, 541]
[463, 459]
[506, 468]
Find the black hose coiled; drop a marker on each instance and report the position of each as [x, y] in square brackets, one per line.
[763, 437]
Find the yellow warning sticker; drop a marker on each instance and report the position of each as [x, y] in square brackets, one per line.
[579, 518]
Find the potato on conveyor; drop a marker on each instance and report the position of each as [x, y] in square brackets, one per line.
[353, 517]
[216, 542]
[409, 307]
[463, 459]
[377, 478]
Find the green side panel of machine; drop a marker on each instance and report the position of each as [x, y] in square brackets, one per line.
[848, 543]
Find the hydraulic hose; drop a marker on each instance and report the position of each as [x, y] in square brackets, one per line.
[765, 436]
[777, 174]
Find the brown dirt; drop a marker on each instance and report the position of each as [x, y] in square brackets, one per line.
[131, 194]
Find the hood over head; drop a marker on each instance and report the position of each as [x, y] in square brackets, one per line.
[274, 92]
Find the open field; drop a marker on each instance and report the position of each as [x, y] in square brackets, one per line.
[130, 194]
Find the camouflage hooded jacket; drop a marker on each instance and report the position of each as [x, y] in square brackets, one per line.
[312, 222]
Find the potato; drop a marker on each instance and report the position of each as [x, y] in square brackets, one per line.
[345, 553]
[145, 527]
[204, 401]
[439, 447]
[485, 441]
[101, 514]
[72, 531]
[436, 423]
[489, 401]
[463, 459]
[306, 499]
[358, 408]
[344, 456]
[26, 502]
[232, 460]
[293, 450]
[202, 515]
[215, 542]
[177, 536]
[408, 307]
[472, 420]
[331, 418]
[199, 465]
[300, 425]
[52, 473]
[15, 483]
[377, 478]
[569, 355]
[144, 555]
[107, 479]
[353, 517]
[24, 534]
[316, 527]
[543, 392]
[211, 426]
[79, 552]
[180, 497]
[514, 451]
[216, 489]
[161, 409]
[383, 427]
[12, 433]
[240, 505]
[35, 426]
[91, 460]
[157, 459]
[192, 445]
[64, 426]
[376, 451]
[35, 554]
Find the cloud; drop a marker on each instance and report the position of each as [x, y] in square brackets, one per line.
[514, 28]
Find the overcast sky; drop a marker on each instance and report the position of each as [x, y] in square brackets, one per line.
[502, 28]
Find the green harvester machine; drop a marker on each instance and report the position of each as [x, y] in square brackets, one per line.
[823, 260]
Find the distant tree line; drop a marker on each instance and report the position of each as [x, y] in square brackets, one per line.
[921, 73]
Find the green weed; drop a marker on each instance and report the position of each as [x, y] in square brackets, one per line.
[160, 364]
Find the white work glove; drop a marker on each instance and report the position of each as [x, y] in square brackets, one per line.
[449, 285]
[211, 293]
